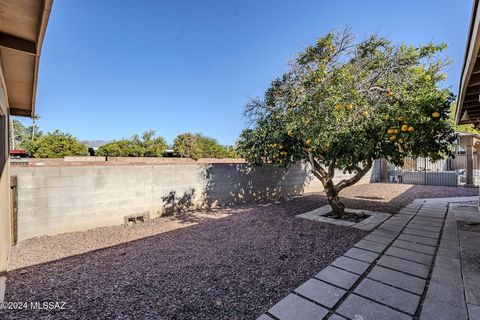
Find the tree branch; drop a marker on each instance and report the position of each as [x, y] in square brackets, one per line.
[331, 168]
[317, 169]
[360, 173]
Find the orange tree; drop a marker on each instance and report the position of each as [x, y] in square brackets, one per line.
[343, 104]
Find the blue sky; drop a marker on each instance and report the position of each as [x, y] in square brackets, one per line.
[110, 69]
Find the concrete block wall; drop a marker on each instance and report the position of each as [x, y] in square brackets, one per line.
[54, 200]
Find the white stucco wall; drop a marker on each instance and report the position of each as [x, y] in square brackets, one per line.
[4, 177]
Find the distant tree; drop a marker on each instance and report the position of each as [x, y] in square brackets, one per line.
[148, 145]
[57, 145]
[210, 148]
[231, 152]
[21, 136]
[343, 104]
[118, 148]
[152, 145]
[35, 117]
[195, 146]
[12, 133]
[186, 146]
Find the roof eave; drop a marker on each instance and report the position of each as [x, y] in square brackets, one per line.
[44, 16]
[471, 53]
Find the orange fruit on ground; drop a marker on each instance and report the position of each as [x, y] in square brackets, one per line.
[410, 129]
[436, 114]
[405, 128]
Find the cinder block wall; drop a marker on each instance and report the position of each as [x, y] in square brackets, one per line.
[61, 199]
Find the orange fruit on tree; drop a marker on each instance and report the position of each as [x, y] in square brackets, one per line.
[436, 114]
[308, 141]
[391, 131]
[338, 107]
[400, 118]
[350, 106]
[393, 137]
[405, 127]
[410, 129]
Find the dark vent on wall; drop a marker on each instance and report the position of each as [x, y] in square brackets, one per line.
[136, 218]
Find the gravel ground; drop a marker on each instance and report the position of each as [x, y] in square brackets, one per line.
[228, 263]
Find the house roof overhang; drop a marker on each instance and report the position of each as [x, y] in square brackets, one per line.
[22, 29]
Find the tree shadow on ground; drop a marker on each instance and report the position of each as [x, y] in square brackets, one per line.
[227, 184]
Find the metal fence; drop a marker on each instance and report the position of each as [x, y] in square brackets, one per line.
[445, 172]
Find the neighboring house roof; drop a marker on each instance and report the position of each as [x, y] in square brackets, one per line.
[22, 28]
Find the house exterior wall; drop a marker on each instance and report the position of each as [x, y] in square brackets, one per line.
[61, 199]
[4, 176]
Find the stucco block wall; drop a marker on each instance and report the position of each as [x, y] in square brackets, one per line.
[62, 199]
[4, 177]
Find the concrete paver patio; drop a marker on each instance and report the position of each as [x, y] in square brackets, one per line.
[423, 263]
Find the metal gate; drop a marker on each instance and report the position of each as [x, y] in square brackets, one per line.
[444, 172]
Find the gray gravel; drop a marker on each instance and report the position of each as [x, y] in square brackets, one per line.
[231, 268]
[230, 263]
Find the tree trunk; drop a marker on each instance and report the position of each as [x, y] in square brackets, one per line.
[12, 132]
[326, 176]
[33, 129]
[338, 208]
